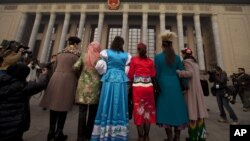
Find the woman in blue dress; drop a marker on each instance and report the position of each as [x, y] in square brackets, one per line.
[171, 110]
[111, 122]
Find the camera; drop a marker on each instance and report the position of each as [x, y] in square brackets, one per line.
[14, 46]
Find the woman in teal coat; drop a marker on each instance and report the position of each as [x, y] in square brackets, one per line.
[171, 109]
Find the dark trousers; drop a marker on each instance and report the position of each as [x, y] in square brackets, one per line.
[57, 121]
[17, 137]
[86, 121]
[223, 102]
[245, 98]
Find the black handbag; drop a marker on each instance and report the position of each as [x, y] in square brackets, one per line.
[130, 101]
[183, 83]
[156, 89]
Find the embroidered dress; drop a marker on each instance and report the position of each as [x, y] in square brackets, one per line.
[111, 122]
[140, 73]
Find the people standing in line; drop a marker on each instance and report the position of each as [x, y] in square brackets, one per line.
[15, 93]
[194, 97]
[171, 109]
[60, 93]
[111, 122]
[220, 85]
[243, 82]
[141, 72]
[88, 90]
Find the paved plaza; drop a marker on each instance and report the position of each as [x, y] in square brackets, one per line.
[215, 131]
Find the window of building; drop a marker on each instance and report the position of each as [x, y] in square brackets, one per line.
[41, 28]
[113, 31]
[134, 38]
[168, 28]
[151, 42]
[93, 33]
[51, 45]
[36, 48]
[69, 28]
[185, 31]
[54, 30]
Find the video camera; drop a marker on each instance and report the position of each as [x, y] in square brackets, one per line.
[14, 46]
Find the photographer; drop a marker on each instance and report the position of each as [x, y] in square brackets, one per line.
[14, 101]
[12, 53]
[243, 82]
[220, 85]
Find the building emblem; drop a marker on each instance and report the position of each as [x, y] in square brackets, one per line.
[113, 4]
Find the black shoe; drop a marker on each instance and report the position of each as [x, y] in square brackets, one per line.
[51, 135]
[60, 137]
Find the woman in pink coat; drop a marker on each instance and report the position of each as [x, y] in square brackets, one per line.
[194, 97]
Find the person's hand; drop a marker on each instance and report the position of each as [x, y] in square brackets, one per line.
[21, 49]
[44, 70]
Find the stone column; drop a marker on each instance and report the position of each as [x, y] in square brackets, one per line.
[47, 40]
[180, 31]
[34, 31]
[100, 26]
[124, 29]
[199, 43]
[64, 32]
[145, 28]
[162, 22]
[216, 33]
[81, 25]
[21, 27]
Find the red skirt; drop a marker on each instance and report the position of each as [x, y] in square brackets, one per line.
[144, 104]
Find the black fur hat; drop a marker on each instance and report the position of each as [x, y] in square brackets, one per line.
[73, 40]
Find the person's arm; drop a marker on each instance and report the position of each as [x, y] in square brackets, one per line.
[187, 73]
[36, 87]
[79, 64]
[131, 71]
[127, 63]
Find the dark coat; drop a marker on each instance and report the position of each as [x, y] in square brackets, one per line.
[14, 104]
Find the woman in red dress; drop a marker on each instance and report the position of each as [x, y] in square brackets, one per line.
[140, 74]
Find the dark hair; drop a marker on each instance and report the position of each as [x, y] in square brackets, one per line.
[18, 71]
[74, 40]
[169, 52]
[117, 44]
[217, 68]
[242, 69]
[142, 49]
[189, 56]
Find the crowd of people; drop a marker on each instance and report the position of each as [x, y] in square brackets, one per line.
[165, 91]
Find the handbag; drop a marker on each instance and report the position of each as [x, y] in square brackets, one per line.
[156, 88]
[183, 83]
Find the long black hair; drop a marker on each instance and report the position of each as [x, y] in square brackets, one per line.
[142, 50]
[117, 44]
[169, 52]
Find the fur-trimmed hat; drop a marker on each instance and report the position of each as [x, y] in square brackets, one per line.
[167, 38]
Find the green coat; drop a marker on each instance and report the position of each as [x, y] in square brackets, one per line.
[88, 87]
[171, 107]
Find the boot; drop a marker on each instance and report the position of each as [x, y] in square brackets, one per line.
[140, 139]
[59, 136]
[169, 134]
[51, 133]
[177, 135]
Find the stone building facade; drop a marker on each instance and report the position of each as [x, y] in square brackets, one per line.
[218, 33]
